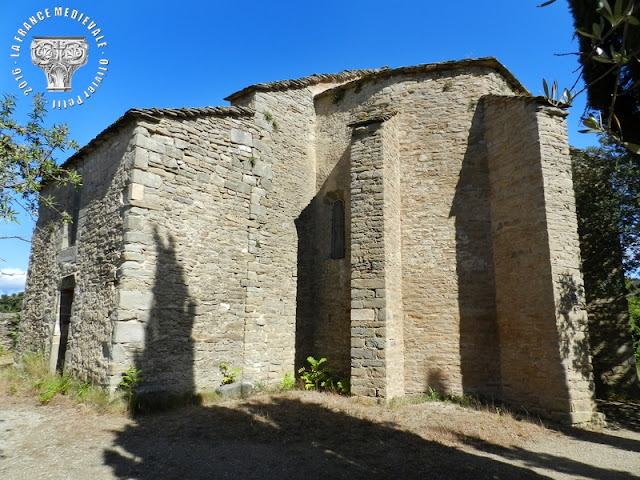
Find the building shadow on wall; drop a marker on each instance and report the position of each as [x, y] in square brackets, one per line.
[167, 362]
[285, 437]
[479, 343]
[306, 287]
[323, 298]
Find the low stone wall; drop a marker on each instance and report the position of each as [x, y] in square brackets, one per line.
[5, 330]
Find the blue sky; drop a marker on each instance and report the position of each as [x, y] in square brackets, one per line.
[166, 53]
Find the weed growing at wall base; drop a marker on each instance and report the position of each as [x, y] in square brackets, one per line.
[321, 378]
[34, 377]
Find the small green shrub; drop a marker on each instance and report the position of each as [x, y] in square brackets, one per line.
[49, 386]
[130, 378]
[316, 376]
[14, 329]
[229, 375]
[343, 387]
[288, 382]
[321, 378]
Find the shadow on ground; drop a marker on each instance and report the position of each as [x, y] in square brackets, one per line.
[286, 438]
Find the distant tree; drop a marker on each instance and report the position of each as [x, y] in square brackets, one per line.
[608, 203]
[633, 285]
[608, 206]
[27, 159]
[11, 303]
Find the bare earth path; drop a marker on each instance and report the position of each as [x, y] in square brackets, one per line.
[304, 435]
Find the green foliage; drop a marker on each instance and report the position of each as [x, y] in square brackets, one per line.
[229, 375]
[320, 377]
[130, 378]
[14, 328]
[288, 382]
[609, 41]
[269, 118]
[551, 95]
[343, 387]
[316, 376]
[633, 298]
[36, 378]
[11, 303]
[27, 159]
[51, 385]
[608, 207]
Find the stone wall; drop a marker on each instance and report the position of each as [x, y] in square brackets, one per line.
[310, 285]
[192, 217]
[6, 323]
[90, 265]
[377, 345]
[539, 295]
[450, 332]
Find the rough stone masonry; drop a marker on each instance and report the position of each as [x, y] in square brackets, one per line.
[416, 226]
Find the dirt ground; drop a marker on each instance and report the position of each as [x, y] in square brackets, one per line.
[306, 435]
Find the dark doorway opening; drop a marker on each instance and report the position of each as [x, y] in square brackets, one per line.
[64, 319]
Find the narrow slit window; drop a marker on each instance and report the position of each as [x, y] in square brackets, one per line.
[337, 230]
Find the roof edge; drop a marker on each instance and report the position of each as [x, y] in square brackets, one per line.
[488, 62]
[314, 79]
[155, 115]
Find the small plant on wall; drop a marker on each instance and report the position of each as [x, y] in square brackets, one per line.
[229, 375]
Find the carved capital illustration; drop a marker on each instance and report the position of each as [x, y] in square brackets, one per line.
[59, 58]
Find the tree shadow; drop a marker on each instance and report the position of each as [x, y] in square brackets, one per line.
[574, 340]
[286, 438]
[167, 362]
[555, 463]
[479, 342]
[621, 414]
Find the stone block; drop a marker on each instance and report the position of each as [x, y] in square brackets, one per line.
[136, 191]
[363, 314]
[129, 332]
[262, 169]
[240, 137]
[135, 300]
[234, 390]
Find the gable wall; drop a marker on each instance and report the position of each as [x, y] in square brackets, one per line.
[93, 261]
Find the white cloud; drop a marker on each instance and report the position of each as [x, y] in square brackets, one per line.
[12, 280]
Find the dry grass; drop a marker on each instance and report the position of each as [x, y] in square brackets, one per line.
[445, 423]
[34, 380]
